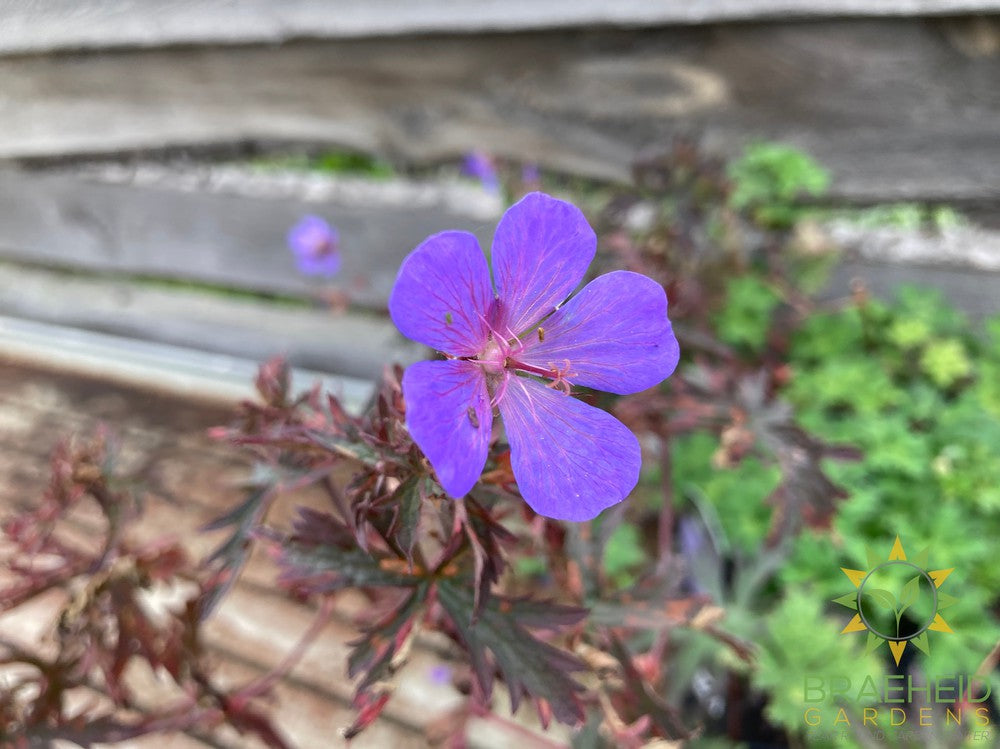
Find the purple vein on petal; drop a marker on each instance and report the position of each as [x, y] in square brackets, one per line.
[614, 334]
[541, 251]
[449, 416]
[570, 460]
[442, 295]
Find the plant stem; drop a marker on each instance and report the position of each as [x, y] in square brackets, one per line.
[665, 528]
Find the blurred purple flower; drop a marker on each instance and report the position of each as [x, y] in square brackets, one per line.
[692, 547]
[316, 246]
[692, 538]
[439, 675]
[480, 165]
[531, 178]
[521, 350]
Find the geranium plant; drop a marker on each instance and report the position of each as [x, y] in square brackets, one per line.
[569, 502]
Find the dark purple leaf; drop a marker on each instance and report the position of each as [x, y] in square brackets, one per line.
[273, 381]
[485, 536]
[315, 528]
[408, 501]
[528, 665]
[247, 718]
[375, 653]
[231, 555]
[318, 568]
[534, 613]
[806, 495]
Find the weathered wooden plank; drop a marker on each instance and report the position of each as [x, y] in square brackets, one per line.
[969, 247]
[235, 241]
[71, 24]
[355, 345]
[193, 374]
[977, 294]
[897, 109]
[253, 330]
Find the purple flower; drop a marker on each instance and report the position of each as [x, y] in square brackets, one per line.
[439, 675]
[517, 348]
[480, 165]
[316, 246]
[530, 176]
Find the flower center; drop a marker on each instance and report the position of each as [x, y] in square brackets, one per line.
[499, 361]
[495, 356]
[319, 246]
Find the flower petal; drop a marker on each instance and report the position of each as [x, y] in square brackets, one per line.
[325, 265]
[571, 460]
[614, 334]
[449, 416]
[541, 250]
[442, 294]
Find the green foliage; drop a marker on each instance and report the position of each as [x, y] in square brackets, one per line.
[623, 555]
[528, 567]
[328, 162]
[914, 386]
[968, 462]
[345, 162]
[917, 389]
[992, 328]
[735, 497]
[770, 179]
[945, 362]
[745, 318]
[946, 217]
[824, 334]
[854, 384]
[912, 216]
[930, 307]
[909, 332]
[908, 383]
[987, 388]
[802, 641]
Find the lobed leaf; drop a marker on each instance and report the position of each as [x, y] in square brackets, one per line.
[485, 536]
[528, 665]
[316, 569]
[408, 499]
[231, 555]
[377, 653]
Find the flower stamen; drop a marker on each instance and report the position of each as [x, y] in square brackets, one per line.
[498, 359]
[560, 377]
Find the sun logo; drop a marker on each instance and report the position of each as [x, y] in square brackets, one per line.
[897, 601]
